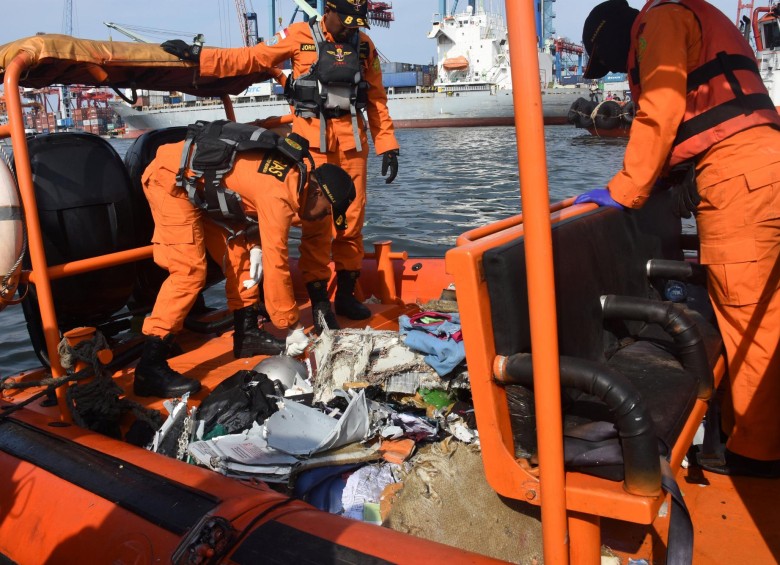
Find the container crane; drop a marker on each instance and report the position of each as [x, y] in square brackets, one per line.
[247, 23]
[379, 13]
[66, 104]
[124, 31]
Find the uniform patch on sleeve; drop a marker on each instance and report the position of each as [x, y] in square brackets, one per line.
[277, 168]
[377, 64]
[308, 47]
[273, 41]
[641, 47]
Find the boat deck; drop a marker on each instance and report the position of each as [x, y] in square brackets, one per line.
[726, 512]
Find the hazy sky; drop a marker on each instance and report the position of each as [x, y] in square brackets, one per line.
[404, 41]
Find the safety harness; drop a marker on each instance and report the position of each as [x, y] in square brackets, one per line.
[210, 150]
[332, 86]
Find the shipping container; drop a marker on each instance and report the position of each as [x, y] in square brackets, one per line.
[410, 78]
[571, 80]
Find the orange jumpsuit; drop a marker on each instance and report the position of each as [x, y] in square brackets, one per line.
[182, 236]
[296, 43]
[738, 222]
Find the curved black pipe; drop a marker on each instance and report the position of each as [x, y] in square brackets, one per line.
[680, 270]
[688, 341]
[641, 460]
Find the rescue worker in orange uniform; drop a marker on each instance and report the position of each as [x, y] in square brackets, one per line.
[270, 188]
[701, 101]
[330, 118]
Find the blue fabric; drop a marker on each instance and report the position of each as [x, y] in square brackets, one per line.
[442, 352]
[322, 486]
[600, 196]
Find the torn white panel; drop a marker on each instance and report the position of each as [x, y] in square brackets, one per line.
[300, 430]
[240, 448]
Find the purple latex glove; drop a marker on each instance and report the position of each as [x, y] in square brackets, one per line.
[598, 196]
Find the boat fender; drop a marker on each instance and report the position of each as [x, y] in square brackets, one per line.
[12, 244]
[607, 115]
[629, 111]
[580, 113]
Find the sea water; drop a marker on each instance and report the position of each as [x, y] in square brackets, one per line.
[450, 180]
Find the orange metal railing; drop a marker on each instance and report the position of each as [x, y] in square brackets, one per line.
[532, 159]
[34, 235]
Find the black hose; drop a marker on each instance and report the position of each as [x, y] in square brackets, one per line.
[689, 344]
[641, 461]
[679, 270]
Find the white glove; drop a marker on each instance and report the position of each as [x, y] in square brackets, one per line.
[297, 341]
[255, 267]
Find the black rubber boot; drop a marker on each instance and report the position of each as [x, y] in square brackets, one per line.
[248, 339]
[153, 375]
[346, 303]
[318, 293]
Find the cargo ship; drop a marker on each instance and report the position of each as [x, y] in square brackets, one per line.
[470, 85]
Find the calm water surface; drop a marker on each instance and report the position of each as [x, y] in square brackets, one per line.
[450, 180]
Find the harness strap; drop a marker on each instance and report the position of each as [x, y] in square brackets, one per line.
[319, 39]
[355, 129]
[742, 104]
[679, 545]
[722, 113]
[720, 65]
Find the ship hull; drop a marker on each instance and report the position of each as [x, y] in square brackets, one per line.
[413, 110]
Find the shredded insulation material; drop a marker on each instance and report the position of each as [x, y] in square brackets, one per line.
[371, 356]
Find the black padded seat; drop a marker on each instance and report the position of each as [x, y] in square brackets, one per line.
[601, 252]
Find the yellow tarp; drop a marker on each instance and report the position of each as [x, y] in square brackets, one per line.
[62, 59]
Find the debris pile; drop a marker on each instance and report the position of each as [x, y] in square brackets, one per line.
[352, 430]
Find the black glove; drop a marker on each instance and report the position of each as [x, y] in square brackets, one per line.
[390, 162]
[684, 191]
[182, 50]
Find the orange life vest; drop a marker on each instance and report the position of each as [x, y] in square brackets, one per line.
[725, 93]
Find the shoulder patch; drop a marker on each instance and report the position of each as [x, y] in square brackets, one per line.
[273, 41]
[275, 167]
[641, 47]
[363, 50]
[308, 47]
